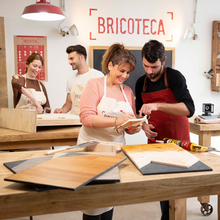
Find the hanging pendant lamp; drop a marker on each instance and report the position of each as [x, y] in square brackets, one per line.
[43, 11]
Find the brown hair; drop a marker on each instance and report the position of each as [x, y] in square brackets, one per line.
[77, 48]
[117, 54]
[32, 57]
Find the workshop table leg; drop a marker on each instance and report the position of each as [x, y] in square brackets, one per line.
[205, 140]
[177, 209]
[204, 199]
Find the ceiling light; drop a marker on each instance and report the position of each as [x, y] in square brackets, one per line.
[43, 11]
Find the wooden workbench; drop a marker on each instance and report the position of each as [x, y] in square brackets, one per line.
[44, 137]
[205, 132]
[18, 200]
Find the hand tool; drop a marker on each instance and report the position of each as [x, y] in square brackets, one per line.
[86, 144]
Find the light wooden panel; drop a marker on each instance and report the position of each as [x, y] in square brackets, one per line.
[57, 119]
[18, 119]
[168, 154]
[3, 72]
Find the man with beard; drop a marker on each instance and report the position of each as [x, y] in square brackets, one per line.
[76, 83]
[162, 94]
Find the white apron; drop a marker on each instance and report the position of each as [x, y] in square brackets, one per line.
[75, 94]
[26, 103]
[108, 107]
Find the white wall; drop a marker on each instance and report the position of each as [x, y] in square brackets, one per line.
[192, 58]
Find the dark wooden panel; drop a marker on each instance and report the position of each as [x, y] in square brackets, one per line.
[68, 172]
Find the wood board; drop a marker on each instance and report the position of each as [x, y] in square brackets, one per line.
[167, 154]
[111, 176]
[132, 122]
[18, 119]
[68, 173]
[57, 119]
[27, 120]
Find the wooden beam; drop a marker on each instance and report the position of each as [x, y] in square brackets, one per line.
[3, 72]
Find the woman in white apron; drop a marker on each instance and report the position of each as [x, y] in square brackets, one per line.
[29, 92]
[102, 103]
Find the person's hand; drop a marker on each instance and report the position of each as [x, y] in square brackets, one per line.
[146, 109]
[39, 108]
[58, 110]
[148, 131]
[124, 118]
[135, 129]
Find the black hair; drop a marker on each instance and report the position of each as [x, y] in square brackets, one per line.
[77, 48]
[152, 51]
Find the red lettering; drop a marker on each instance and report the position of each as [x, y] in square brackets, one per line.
[151, 29]
[161, 27]
[138, 25]
[132, 26]
[110, 24]
[145, 26]
[123, 19]
[101, 23]
[116, 25]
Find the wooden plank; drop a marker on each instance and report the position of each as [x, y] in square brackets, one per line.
[43, 133]
[168, 154]
[3, 71]
[68, 172]
[18, 119]
[105, 147]
[57, 119]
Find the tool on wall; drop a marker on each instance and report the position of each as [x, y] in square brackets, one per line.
[209, 74]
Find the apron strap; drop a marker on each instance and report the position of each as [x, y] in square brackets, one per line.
[123, 93]
[165, 80]
[105, 79]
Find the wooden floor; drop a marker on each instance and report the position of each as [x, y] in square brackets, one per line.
[145, 211]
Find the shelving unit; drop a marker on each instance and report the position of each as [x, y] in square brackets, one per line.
[216, 56]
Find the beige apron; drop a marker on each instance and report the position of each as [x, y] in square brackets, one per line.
[75, 94]
[26, 103]
[108, 107]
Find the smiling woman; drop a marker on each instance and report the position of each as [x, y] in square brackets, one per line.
[28, 91]
[102, 104]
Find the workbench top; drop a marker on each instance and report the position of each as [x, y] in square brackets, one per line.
[18, 200]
